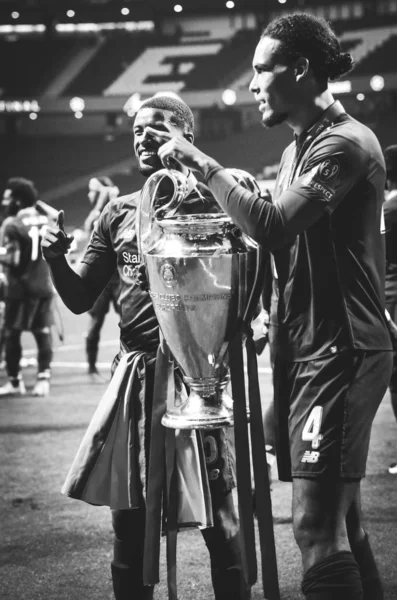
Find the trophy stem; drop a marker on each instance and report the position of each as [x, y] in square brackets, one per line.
[206, 408]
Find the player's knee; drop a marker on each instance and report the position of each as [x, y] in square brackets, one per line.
[310, 527]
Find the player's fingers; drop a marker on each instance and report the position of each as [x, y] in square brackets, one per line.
[61, 220]
[159, 136]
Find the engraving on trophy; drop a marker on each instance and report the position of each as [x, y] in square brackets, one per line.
[168, 274]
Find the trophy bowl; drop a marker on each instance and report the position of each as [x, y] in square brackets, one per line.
[204, 282]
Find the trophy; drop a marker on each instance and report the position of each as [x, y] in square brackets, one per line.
[205, 280]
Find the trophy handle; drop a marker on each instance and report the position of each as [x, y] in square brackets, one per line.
[148, 213]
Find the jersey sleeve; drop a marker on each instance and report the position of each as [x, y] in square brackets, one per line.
[334, 166]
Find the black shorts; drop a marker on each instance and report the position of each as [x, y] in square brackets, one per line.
[29, 314]
[324, 411]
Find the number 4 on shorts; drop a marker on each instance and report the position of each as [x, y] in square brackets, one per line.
[311, 431]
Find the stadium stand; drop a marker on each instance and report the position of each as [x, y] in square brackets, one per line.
[116, 53]
[27, 66]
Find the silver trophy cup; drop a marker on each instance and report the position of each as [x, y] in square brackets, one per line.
[205, 281]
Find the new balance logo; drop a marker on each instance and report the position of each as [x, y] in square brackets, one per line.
[310, 457]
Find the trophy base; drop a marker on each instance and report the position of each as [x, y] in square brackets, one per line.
[201, 412]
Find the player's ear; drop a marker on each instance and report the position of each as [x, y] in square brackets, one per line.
[189, 136]
[301, 67]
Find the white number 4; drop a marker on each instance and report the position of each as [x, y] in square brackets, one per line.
[311, 431]
[36, 233]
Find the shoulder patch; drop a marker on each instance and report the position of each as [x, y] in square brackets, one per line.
[328, 169]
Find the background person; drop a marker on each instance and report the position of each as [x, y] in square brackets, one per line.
[29, 290]
[390, 213]
[100, 191]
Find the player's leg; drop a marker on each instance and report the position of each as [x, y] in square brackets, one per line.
[319, 511]
[13, 353]
[333, 405]
[43, 338]
[13, 327]
[127, 563]
[223, 539]
[362, 551]
[97, 317]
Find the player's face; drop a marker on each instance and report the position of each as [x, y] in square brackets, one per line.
[9, 204]
[273, 84]
[145, 145]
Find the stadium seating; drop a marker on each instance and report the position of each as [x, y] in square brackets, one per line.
[28, 65]
[116, 53]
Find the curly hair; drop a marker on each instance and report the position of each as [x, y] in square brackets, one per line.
[24, 190]
[182, 116]
[312, 37]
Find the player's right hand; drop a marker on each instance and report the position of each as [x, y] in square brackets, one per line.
[55, 241]
[142, 278]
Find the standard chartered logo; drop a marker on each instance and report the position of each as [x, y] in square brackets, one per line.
[131, 264]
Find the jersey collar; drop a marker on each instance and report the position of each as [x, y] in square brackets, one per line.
[326, 119]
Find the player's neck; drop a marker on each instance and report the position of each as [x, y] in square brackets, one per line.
[309, 112]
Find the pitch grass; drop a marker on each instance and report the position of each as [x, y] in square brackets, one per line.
[55, 548]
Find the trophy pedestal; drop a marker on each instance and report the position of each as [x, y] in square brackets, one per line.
[201, 412]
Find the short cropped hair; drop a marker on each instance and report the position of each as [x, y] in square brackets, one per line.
[182, 115]
[24, 190]
[304, 35]
[391, 162]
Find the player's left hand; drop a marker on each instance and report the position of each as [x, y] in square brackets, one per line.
[177, 149]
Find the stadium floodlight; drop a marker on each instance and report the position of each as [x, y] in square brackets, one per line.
[15, 14]
[125, 11]
[360, 97]
[178, 8]
[229, 97]
[230, 4]
[377, 83]
[133, 104]
[33, 116]
[78, 114]
[340, 87]
[282, 1]
[70, 14]
[77, 104]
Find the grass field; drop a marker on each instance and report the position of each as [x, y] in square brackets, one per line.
[55, 548]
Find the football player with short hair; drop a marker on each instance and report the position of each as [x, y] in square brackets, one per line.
[324, 228]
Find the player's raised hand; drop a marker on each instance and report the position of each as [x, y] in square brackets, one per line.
[177, 149]
[55, 241]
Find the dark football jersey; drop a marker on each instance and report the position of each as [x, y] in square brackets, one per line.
[114, 245]
[325, 231]
[32, 276]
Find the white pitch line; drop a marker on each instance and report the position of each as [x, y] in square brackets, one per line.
[107, 365]
[68, 347]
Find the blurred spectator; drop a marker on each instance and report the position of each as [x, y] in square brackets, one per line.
[390, 212]
[28, 293]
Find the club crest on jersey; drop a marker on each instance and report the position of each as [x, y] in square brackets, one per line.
[128, 234]
[328, 169]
